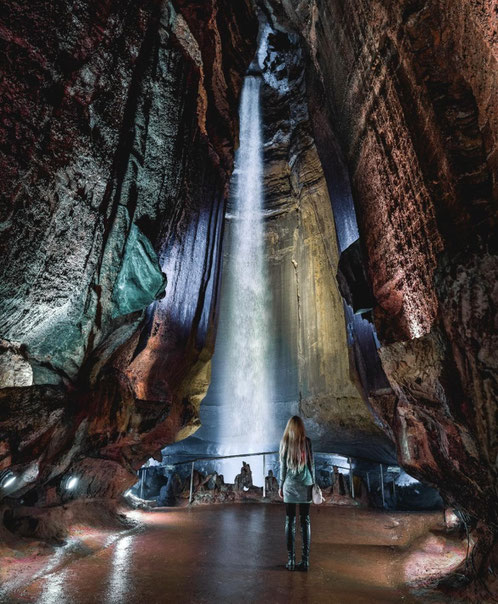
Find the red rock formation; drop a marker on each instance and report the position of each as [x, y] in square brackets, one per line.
[118, 127]
[409, 89]
[118, 133]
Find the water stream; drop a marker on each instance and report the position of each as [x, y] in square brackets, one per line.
[247, 384]
[238, 414]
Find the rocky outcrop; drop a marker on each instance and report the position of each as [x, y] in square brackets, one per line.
[313, 347]
[406, 89]
[311, 354]
[118, 130]
[353, 281]
[120, 121]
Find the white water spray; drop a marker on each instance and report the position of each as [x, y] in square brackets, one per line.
[247, 384]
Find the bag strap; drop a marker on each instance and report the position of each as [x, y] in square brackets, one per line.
[308, 457]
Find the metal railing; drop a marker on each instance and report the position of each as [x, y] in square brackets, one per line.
[219, 457]
[349, 468]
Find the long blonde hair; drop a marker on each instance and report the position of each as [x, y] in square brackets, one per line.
[293, 444]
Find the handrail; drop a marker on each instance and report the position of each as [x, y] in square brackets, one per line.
[214, 458]
[264, 454]
[218, 457]
[355, 457]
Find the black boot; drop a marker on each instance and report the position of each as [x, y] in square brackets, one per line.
[290, 535]
[306, 534]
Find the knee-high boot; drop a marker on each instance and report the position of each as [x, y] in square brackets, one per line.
[290, 535]
[306, 535]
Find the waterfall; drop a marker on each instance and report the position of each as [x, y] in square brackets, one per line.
[247, 383]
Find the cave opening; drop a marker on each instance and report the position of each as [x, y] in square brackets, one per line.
[218, 215]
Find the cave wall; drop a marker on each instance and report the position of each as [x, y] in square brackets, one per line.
[408, 89]
[117, 147]
[312, 357]
[119, 126]
[312, 351]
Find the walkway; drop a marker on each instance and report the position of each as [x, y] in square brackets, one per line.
[235, 553]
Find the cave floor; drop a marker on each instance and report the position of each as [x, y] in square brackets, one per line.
[236, 553]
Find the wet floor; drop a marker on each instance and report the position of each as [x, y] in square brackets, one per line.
[236, 553]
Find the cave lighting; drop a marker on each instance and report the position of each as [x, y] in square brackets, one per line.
[72, 483]
[405, 480]
[451, 519]
[9, 481]
[416, 329]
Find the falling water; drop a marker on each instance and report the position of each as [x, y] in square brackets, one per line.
[246, 376]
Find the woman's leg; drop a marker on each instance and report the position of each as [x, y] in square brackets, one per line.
[290, 534]
[304, 515]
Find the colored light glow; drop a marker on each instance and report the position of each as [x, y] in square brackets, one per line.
[9, 481]
[405, 480]
[72, 483]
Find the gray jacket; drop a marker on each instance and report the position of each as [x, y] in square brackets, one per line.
[296, 486]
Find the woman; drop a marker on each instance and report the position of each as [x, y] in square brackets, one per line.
[297, 476]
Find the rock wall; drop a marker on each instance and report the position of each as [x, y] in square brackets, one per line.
[408, 89]
[313, 356]
[120, 121]
[311, 362]
[118, 128]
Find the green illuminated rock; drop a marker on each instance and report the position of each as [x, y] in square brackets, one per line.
[140, 279]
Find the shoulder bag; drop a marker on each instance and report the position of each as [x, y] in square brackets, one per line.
[316, 491]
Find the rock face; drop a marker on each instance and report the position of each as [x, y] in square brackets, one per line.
[408, 90]
[120, 121]
[312, 356]
[311, 359]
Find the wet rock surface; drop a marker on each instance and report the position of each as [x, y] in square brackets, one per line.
[407, 89]
[118, 133]
[310, 331]
[349, 561]
[118, 141]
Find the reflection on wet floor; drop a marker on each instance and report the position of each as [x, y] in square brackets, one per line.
[236, 553]
[53, 589]
[121, 561]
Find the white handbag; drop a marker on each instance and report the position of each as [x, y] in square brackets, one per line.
[316, 491]
[316, 495]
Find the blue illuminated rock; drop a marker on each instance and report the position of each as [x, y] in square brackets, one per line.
[140, 280]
